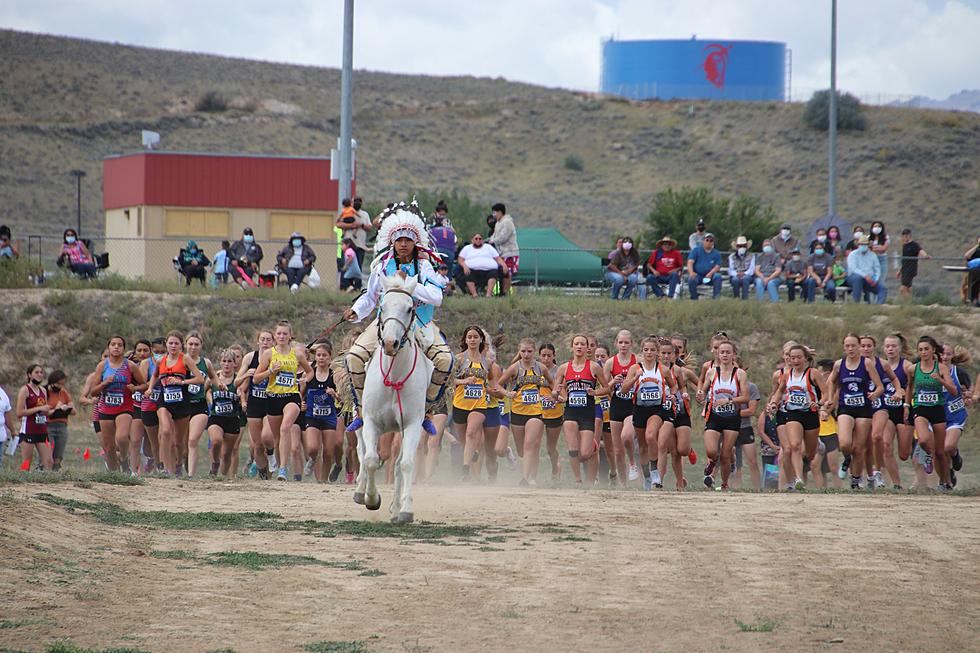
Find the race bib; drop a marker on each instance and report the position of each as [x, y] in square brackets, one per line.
[928, 398]
[259, 393]
[893, 402]
[578, 399]
[474, 391]
[650, 395]
[173, 395]
[854, 401]
[137, 397]
[195, 389]
[798, 401]
[154, 395]
[668, 403]
[955, 405]
[724, 410]
[223, 409]
[548, 402]
[40, 419]
[622, 395]
[285, 379]
[604, 404]
[112, 399]
[530, 396]
[322, 411]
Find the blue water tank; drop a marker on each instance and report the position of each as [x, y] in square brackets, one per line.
[694, 69]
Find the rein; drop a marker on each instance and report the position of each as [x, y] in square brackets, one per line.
[386, 376]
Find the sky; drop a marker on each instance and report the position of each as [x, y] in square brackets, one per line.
[886, 47]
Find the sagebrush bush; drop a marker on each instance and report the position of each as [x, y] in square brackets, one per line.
[574, 162]
[849, 113]
[212, 102]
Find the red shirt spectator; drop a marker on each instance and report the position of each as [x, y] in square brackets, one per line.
[666, 258]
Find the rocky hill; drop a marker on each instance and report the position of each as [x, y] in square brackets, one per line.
[66, 103]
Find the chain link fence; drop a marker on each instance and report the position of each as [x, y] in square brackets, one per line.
[940, 279]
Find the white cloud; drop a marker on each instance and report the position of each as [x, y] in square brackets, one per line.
[924, 47]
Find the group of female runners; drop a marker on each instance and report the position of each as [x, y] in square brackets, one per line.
[628, 412]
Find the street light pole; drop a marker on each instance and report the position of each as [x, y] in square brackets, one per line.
[78, 174]
[832, 126]
[346, 104]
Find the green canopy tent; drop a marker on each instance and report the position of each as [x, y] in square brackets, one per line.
[548, 257]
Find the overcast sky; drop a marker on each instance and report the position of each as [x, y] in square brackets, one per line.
[914, 47]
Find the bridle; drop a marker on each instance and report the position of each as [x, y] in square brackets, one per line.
[406, 328]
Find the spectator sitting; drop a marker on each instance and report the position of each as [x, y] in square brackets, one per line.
[795, 269]
[741, 267]
[703, 265]
[784, 242]
[296, 260]
[479, 263]
[7, 249]
[623, 269]
[351, 276]
[768, 267]
[664, 266]
[840, 269]
[822, 241]
[504, 240]
[220, 263]
[833, 240]
[76, 255]
[864, 273]
[697, 238]
[442, 234]
[443, 271]
[853, 243]
[820, 274]
[248, 253]
[193, 262]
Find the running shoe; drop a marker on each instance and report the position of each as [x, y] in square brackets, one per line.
[180, 471]
[511, 458]
[273, 463]
[724, 486]
[647, 483]
[942, 487]
[350, 478]
[957, 461]
[264, 474]
[655, 477]
[358, 423]
[124, 464]
[335, 472]
[709, 469]
[879, 481]
[927, 465]
[308, 467]
[870, 482]
[298, 478]
[896, 487]
[253, 469]
[855, 482]
[214, 469]
[798, 484]
[658, 486]
[845, 464]
[427, 426]
[283, 474]
[634, 472]
[692, 457]
[708, 481]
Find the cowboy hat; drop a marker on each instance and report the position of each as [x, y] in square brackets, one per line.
[666, 239]
[741, 241]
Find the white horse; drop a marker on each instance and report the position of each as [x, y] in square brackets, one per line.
[393, 398]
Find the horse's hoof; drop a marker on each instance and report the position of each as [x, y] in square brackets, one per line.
[373, 506]
[359, 498]
[405, 517]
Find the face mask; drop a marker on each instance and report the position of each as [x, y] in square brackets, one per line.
[876, 230]
[834, 235]
[821, 239]
[158, 357]
[796, 257]
[70, 240]
[767, 249]
[741, 251]
[248, 238]
[862, 248]
[297, 242]
[818, 251]
[784, 233]
[858, 234]
[627, 247]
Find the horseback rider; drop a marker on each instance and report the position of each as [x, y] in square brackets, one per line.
[402, 248]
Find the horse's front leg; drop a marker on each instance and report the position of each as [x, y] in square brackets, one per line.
[361, 470]
[396, 494]
[369, 464]
[406, 472]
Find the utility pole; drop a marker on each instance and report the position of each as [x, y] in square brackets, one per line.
[346, 104]
[832, 127]
[78, 174]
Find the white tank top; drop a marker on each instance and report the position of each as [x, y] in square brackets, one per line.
[650, 386]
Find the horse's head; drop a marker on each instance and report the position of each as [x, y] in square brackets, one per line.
[397, 316]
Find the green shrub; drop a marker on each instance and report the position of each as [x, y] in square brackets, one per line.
[574, 162]
[676, 213]
[849, 114]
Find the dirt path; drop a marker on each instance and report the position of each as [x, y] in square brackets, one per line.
[543, 570]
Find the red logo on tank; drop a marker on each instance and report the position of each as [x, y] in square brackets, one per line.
[715, 63]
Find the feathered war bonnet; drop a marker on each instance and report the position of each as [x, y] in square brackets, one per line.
[401, 221]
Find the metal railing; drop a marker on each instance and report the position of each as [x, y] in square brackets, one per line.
[540, 268]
